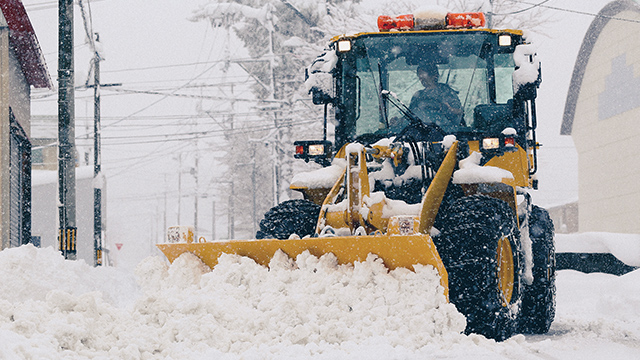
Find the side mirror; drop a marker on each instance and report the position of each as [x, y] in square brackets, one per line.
[528, 74]
[320, 87]
[319, 78]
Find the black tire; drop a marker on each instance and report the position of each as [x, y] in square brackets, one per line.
[539, 298]
[451, 195]
[290, 217]
[474, 229]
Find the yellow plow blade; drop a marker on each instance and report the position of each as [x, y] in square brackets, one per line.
[395, 250]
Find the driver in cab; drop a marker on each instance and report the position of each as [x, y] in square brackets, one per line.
[437, 103]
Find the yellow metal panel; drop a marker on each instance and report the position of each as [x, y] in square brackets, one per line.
[516, 162]
[474, 145]
[432, 199]
[395, 250]
[330, 199]
[506, 270]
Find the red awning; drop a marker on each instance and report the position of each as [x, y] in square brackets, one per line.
[23, 40]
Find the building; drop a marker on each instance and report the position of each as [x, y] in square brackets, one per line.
[602, 115]
[45, 211]
[45, 218]
[21, 67]
[564, 217]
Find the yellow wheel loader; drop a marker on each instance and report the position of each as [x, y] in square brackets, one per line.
[442, 183]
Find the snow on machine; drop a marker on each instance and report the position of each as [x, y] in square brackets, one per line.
[436, 151]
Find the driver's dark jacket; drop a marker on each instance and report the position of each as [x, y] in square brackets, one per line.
[428, 105]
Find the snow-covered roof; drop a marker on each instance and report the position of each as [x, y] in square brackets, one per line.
[23, 40]
[607, 13]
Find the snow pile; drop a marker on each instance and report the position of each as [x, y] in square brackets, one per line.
[320, 178]
[311, 306]
[240, 305]
[427, 17]
[600, 306]
[56, 309]
[472, 173]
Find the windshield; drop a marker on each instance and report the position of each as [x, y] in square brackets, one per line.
[441, 78]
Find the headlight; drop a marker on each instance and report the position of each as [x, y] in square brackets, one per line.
[316, 149]
[504, 40]
[490, 143]
[344, 45]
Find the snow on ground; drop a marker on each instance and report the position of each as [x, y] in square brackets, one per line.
[53, 309]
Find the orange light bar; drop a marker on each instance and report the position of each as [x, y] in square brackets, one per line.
[466, 20]
[410, 22]
[400, 22]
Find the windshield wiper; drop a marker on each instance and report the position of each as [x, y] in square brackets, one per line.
[381, 98]
[393, 99]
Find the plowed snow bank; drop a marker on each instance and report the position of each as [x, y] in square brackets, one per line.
[309, 306]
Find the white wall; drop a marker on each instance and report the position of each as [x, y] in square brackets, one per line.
[44, 221]
[606, 131]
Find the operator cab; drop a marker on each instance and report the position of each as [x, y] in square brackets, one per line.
[372, 80]
[378, 79]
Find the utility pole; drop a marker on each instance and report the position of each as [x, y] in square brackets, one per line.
[97, 176]
[66, 133]
[231, 220]
[98, 179]
[179, 186]
[195, 175]
[490, 15]
[164, 222]
[213, 221]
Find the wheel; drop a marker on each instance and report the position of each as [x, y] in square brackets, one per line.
[539, 298]
[480, 248]
[451, 195]
[289, 217]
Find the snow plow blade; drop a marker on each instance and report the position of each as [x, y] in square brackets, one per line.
[395, 250]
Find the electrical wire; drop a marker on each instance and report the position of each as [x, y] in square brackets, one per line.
[206, 135]
[46, 5]
[581, 12]
[161, 99]
[523, 10]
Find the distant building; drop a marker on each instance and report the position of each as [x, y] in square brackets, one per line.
[565, 218]
[44, 132]
[602, 114]
[44, 141]
[45, 210]
[21, 67]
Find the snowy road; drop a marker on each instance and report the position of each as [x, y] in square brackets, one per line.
[54, 309]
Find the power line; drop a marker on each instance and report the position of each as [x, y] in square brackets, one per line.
[581, 12]
[523, 10]
[45, 5]
[146, 158]
[156, 67]
[161, 99]
[191, 96]
[209, 134]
